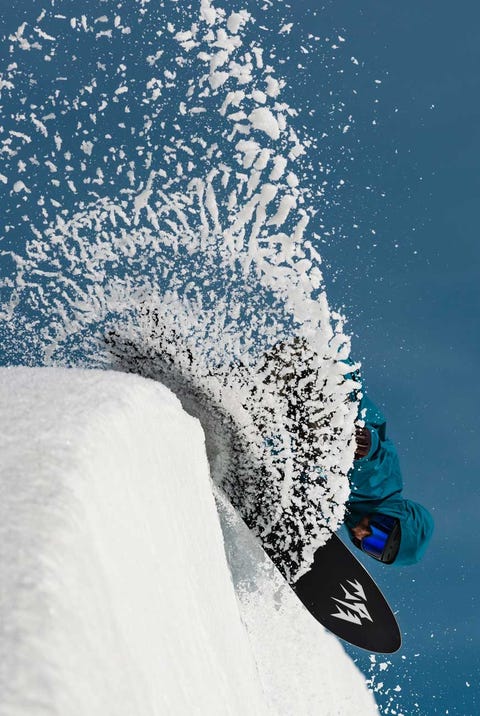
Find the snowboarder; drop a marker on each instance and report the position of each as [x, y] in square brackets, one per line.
[382, 523]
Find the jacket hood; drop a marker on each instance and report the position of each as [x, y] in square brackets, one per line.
[416, 525]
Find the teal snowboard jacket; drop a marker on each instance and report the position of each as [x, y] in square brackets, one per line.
[376, 486]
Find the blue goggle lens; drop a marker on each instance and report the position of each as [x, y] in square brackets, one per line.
[375, 543]
[382, 527]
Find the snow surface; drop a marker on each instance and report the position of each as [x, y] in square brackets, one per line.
[116, 594]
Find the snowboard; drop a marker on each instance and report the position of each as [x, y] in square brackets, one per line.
[339, 592]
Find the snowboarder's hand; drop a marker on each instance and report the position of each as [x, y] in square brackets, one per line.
[364, 442]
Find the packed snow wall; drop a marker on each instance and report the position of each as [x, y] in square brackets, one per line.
[116, 598]
[116, 594]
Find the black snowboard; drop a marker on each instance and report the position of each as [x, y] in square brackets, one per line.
[338, 591]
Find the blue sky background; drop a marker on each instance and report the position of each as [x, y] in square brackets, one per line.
[413, 303]
[410, 290]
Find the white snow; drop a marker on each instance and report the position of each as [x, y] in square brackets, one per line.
[116, 594]
[207, 264]
[303, 668]
[262, 118]
[19, 186]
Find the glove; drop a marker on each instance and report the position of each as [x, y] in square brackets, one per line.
[363, 439]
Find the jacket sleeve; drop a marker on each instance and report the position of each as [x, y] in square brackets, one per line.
[377, 476]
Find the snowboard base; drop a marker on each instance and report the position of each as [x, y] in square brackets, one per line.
[340, 593]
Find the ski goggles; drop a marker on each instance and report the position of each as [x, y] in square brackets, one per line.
[384, 541]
